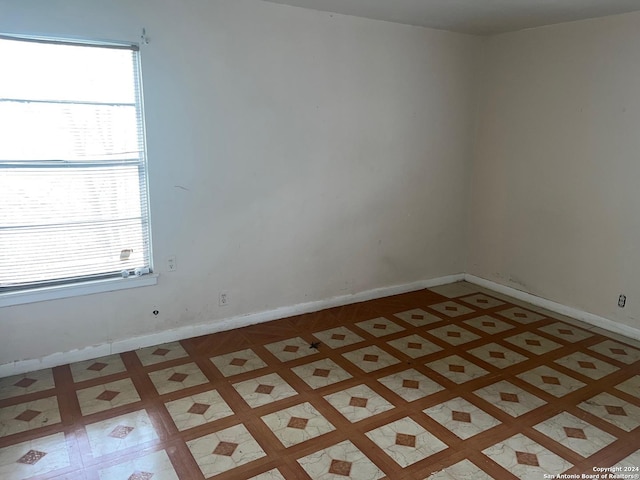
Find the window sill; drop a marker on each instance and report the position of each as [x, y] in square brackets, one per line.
[74, 290]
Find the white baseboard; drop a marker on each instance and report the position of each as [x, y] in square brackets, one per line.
[120, 346]
[586, 317]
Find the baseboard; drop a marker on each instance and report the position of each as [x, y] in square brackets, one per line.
[586, 317]
[120, 346]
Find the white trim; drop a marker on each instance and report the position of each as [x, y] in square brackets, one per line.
[120, 346]
[586, 317]
[21, 297]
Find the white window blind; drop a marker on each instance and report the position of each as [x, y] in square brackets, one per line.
[73, 188]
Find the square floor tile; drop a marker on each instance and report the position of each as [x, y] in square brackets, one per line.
[370, 358]
[509, 398]
[107, 396]
[520, 315]
[457, 289]
[618, 351]
[379, 327]
[551, 381]
[410, 385]
[235, 363]
[489, 324]
[34, 457]
[414, 346]
[29, 415]
[161, 353]
[631, 462]
[342, 460]
[587, 365]
[359, 402]
[177, 378]
[480, 300]
[631, 386]
[291, 349]
[155, 465]
[97, 368]
[464, 470]
[526, 459]
[120, 433]
[566, 332]
[451, 309]
[321, 373]
[418, 317]
[263, 390]
[497, 355]
[461, 417]
[198, 409]
[453, 334]
[405, 441]
[297, 424]
[26, 383]
[270, 475]
[614, 410]
[338, 337]
[224, 450]
[578, 435]
[457, 369]
[533, 343]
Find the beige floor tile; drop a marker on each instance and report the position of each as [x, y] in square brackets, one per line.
[297, 424]
[120, 433]
[451, 308]
[489, 324]
[97, 368]
[34, 457]
[321, 373]
[520, 315]
[26, 383]
[161, 353]
[107, 396]
[533, 343]
[614, 410]
[453, 334]
[551, 381]
[568, 333]
[480, 300]
[291, 349]
[359, 402]
[497, 355]
[631, 386]
[457, 289]
[339, 461]
[238, 362]
[338, 337]
[464, 470]
[418, 317]
[379, 327]
[617, 351]
[414, 346]
[631, 463]
[224, 450]
[586, 365]
[509, 398]
[156, 466]
[177, 378]
[370, 358]
[410, 385]
[457, 369]
[461, 417]
[27, 416]
[198, 409]
[263, 390]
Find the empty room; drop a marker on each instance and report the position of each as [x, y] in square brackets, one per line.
[319, 239]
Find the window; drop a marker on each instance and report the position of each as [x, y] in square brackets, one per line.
[73, 188]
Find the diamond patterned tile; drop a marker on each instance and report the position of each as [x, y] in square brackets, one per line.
[617, 351]
[156, 466]
[497, 355]
[489, 324]
[359, 402]
[338, 337]
[35, 457]
[509, 398]
[614, 410]
[480, 300]
[22, 417]
[631, 386]
[457, 289]
[410, 384]
[297, 424]
[291, 349]
[551, 381]
[120, 433]
[342, 460]
[370, 358]
[521, 315]
[418, 317]
[100, 367]
[263, 390]
[238, 362]
[177, 378]
[533, 343]
[161, 353]
[457, 369]
[587, 365]
[453, 334]
[106, 396]
[463, 418]
[27, 383]
[414, 346]
[321, 373]
[566, 332]
[198, 409]
[379, 327]
[451, 309]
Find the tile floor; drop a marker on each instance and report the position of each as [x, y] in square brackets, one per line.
[455, 382]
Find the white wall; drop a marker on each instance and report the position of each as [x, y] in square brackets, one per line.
[294, 156]
[556, 197]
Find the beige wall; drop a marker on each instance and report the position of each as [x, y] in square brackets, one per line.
[294, 156]
[555, 209]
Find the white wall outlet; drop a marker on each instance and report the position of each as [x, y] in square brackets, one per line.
[223, 298]
[172, 265]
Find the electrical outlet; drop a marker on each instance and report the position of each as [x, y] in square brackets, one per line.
[223, 298]
[172, 265]
[622, 300]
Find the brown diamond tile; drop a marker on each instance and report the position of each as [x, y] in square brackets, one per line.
[588, 365]
[121, 431]
[575, 433]
[140, 476]
[565, 331]
[97, 366]
[291, 348]
[488, 324]
[25, 382]
[410, 384]
[509, 397]
[160, 352]
[266, 389]
[417, 317]
[456, 368]
[198, 408]
[461, 416]
[340, 467]
[482, 300]
[338, 336]
[618, 351]
[28, 415]
[405, 440]
[358, 402]
[297, 422]
[449, 308]
[225, 449]
[520, 315]
[525, 458]
[321, 372]
[615, 410]
[380, 326]
[178, 377]
[453, 334]
[496, 355]
[107, 395]
[238, 362]
[31, 457]
[414, 345]
[370, 358]
[533, 343]
[550, 380]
